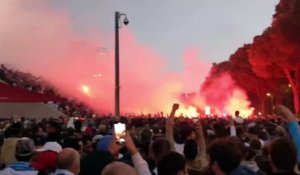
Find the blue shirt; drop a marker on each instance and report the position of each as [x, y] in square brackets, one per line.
[294, 131]
[63, 172]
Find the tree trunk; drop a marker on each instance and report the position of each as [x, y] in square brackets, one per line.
[295, 87]
[262, 105]
[261, 101]
[296, 100]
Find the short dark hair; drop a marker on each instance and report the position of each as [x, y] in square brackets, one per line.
[255, 144]
[160, 147]
[171, 164]
[227, 152]
[190, 149]
[283, 154]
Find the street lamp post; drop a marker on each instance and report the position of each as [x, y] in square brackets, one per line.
[272, 102]
[118, 16]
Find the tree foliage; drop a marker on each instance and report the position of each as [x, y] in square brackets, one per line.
[272, 61]
[276, 53]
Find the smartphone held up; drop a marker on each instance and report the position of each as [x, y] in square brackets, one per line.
[120, 132]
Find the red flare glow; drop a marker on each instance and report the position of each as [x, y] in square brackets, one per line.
[46, 45]
[85, 89]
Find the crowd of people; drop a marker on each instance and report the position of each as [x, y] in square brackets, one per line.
[67, 105]
[161, 146]
[153, 145]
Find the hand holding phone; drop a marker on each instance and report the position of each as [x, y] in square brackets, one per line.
[130, 144]
[120, 132]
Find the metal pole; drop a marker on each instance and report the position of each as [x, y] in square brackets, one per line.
[272, 102]
[117, 78]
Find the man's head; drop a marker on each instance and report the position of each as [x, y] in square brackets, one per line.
[282, 155]
[53, 131]
[118, 168]
[237, 113]
[69, 159]
[159, 148]
[172, 163]
[225, 155]
[87, 145]
[24, 150]
[190, 149]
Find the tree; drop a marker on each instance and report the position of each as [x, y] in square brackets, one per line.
[276, 53]
[245, 77]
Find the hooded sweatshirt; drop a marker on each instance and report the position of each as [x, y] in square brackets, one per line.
[8, 151]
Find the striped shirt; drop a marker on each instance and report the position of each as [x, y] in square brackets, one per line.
[21, 168]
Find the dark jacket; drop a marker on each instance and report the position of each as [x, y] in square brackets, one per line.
[94, 163]
[242, 170]
[283, 173]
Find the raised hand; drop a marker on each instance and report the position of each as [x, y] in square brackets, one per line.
[175, 107]
[285, 112]
[129, 144]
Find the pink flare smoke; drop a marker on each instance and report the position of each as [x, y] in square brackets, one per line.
[41, 40]
[224, 96]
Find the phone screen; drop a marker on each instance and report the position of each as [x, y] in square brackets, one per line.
[120, 131]
[195, 120]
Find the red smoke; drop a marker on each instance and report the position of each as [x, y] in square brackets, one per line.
[41, 40]
[224, 96]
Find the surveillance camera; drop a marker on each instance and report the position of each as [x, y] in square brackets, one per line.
[126, 21]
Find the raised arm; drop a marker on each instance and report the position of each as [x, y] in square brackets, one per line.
[139, 163]
[201, 141]
[293, 126]
[169, 126]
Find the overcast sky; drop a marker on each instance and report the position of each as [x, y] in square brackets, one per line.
[216, 27]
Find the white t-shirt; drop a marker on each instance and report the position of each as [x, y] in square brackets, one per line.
[179, 148]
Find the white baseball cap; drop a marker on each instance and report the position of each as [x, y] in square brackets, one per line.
[50, 146]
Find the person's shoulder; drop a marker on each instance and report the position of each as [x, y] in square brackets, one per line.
[8, 171]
